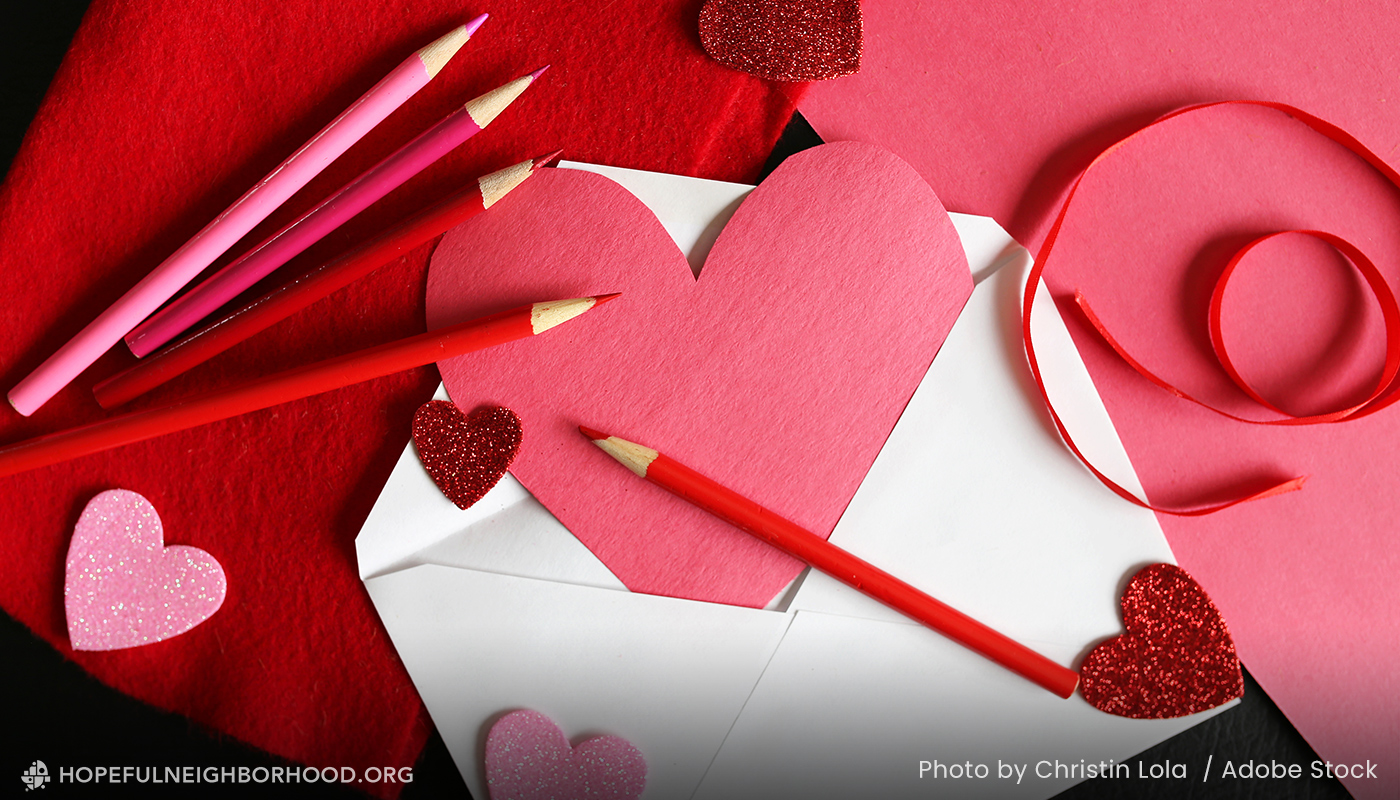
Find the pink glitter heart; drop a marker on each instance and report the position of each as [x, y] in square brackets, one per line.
[528, 758]
[124, 587]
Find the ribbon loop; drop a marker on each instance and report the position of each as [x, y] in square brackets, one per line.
[1387, 388]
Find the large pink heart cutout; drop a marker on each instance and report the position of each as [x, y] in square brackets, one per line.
[779, 372]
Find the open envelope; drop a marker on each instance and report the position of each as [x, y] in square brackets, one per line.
[825, 693]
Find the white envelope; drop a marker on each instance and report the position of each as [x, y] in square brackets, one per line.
[825, 693]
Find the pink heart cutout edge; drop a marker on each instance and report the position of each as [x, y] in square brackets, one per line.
[529, 758]
[123, 587]
[773, 373]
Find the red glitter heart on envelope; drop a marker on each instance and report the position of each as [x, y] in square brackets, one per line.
[779, 372]
[466, 454]
[784, 40]
[1177, 657]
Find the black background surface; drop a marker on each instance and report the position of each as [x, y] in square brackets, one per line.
[53, 711]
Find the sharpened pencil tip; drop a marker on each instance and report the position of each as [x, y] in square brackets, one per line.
[600, 299]
[537, 73]
[436, 55]
[544, 160]
[475, 23]
[487, 107]
[631, 455]
[544, 316]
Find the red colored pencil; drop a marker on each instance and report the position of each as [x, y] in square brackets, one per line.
[286, 300]
[861, 575]
[322, 376]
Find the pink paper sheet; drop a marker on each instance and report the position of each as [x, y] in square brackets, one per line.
[779, 373]
[1000, 106]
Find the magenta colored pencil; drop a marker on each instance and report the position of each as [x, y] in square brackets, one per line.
[332, 212]
[230, 226]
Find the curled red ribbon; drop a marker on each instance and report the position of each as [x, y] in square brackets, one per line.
[1386, 391]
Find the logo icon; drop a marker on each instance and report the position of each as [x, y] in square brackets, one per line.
[35, 777]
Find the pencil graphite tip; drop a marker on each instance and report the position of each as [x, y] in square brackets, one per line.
[536, 163]
[537, 73]
[596, 436]
[600, 299]
[474, 24]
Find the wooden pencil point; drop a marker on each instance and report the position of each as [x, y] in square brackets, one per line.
[499, 183]
[631, 455]
[606, 298]
[544, 316]
[596, 436]
[436, 54]
[487, 107]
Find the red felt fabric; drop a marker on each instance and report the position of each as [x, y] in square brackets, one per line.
[162, 114]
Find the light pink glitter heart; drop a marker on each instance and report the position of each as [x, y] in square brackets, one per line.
[124, 587]
[528, 758]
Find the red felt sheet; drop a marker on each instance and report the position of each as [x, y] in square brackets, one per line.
[162, 114]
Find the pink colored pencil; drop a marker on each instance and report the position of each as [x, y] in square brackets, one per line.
[230, 226]
[332, 212]
[292, 297]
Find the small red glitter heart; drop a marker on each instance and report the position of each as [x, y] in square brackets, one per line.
[784, 40]
[1177, 657]
[466, 454]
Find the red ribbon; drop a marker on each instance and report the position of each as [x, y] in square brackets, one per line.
[1386, 391]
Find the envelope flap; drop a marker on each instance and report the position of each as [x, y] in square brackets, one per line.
[670, 675]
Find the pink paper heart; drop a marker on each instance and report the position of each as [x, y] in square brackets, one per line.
[779, 372]
[124, 587]
[528, 758]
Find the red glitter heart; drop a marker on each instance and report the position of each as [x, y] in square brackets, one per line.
[1177, 657]
[784, 40]
[466, 454]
